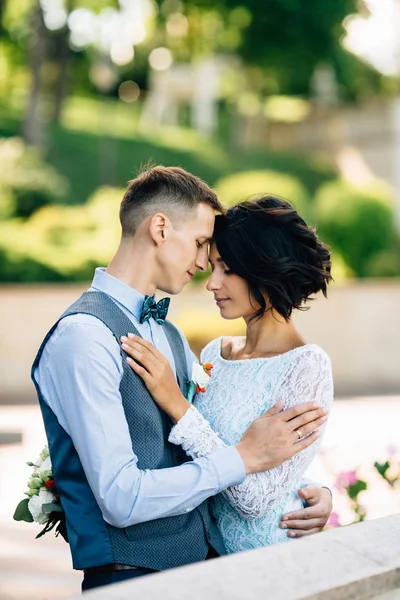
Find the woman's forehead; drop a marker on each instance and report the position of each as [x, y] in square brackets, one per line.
[214, 255]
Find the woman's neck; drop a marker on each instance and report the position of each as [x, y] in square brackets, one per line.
[268, 336]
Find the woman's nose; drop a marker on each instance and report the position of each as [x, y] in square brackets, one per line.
[213, 283]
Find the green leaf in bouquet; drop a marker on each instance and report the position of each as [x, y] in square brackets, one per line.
[382, 468]
[356, 488]
[57, 522]
[45, 453]
[61, 528]
[22, 512]
[51, 507]
[35, 484]
[48, 527]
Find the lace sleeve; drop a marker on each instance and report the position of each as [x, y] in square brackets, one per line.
[193, 432]
[309, 377]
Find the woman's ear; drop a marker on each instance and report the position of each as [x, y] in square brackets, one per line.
[159, 227]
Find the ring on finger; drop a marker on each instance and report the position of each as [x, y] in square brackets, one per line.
[299, 433]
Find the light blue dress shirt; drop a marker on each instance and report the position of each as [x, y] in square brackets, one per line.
[79, 375]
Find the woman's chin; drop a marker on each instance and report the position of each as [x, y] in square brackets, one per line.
[228, 314]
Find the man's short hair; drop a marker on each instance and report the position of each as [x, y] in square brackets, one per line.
[170, 190]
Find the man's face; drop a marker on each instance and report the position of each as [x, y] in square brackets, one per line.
[185, 250]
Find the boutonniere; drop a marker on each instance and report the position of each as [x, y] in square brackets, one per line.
[42, 504]
[200, 377]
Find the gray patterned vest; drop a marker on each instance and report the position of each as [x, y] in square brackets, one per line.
[156, 544]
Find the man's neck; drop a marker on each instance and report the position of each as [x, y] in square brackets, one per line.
[127, 266]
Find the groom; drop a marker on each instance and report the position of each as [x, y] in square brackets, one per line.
[134, 503]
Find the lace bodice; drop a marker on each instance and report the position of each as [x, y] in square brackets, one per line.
[239, 391]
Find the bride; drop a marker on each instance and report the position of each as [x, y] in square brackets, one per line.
[265, 263]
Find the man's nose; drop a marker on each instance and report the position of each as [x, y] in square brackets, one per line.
[202, 259]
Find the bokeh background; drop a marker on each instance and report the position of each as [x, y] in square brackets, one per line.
[303, 102]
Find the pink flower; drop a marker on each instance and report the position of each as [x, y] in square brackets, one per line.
[392, 450]
[334, 520]
[346, 479]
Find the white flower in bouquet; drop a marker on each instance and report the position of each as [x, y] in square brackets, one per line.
[45, 469]
[35, 505]
[37, 463]
[40, 460]
[199, 375]
[42, 492]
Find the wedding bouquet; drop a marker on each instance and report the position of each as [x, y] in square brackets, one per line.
[42, 504]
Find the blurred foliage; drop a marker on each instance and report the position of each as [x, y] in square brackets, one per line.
[91, 131]
[278, 46]
[61, 243]
[385, 263]
[65, 243]
[26, 182]
[357, 221]
[243, 186]
[57, 218]
[281, 43]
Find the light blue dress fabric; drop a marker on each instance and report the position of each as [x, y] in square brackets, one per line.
[248, 515]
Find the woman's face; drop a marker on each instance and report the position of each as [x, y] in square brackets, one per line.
[231, 292]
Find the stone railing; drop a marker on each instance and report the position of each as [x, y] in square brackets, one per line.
[359, 327]
[358, 562]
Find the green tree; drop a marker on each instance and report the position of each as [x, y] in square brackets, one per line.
[357, 221]
[283, 40]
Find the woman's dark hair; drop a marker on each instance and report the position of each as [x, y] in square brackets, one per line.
[266, 242]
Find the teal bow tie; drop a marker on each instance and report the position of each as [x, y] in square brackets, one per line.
[154, 310]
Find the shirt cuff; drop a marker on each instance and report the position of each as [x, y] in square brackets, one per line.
[229, 467]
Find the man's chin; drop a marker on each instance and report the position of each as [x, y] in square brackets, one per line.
[172, 290]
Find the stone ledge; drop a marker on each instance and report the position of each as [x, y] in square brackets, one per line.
[351, 563]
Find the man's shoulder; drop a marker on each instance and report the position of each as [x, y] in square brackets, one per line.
[80, 328]
[79, 337]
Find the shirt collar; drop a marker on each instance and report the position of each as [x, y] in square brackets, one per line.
[123, 293]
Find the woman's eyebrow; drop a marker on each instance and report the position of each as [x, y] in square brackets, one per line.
[218, 260]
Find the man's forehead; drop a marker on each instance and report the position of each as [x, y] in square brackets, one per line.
[203, 226]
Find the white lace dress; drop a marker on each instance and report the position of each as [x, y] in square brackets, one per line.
[239, 391]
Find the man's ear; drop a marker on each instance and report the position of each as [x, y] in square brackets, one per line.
[159, 228]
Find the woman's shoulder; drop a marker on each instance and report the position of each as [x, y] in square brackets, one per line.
[211, 351]
[221, 347]
[313, 351]
[306, 360]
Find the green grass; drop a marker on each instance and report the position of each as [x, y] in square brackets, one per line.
[99, 143]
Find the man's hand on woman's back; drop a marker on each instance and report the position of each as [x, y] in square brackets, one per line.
[278, 435]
